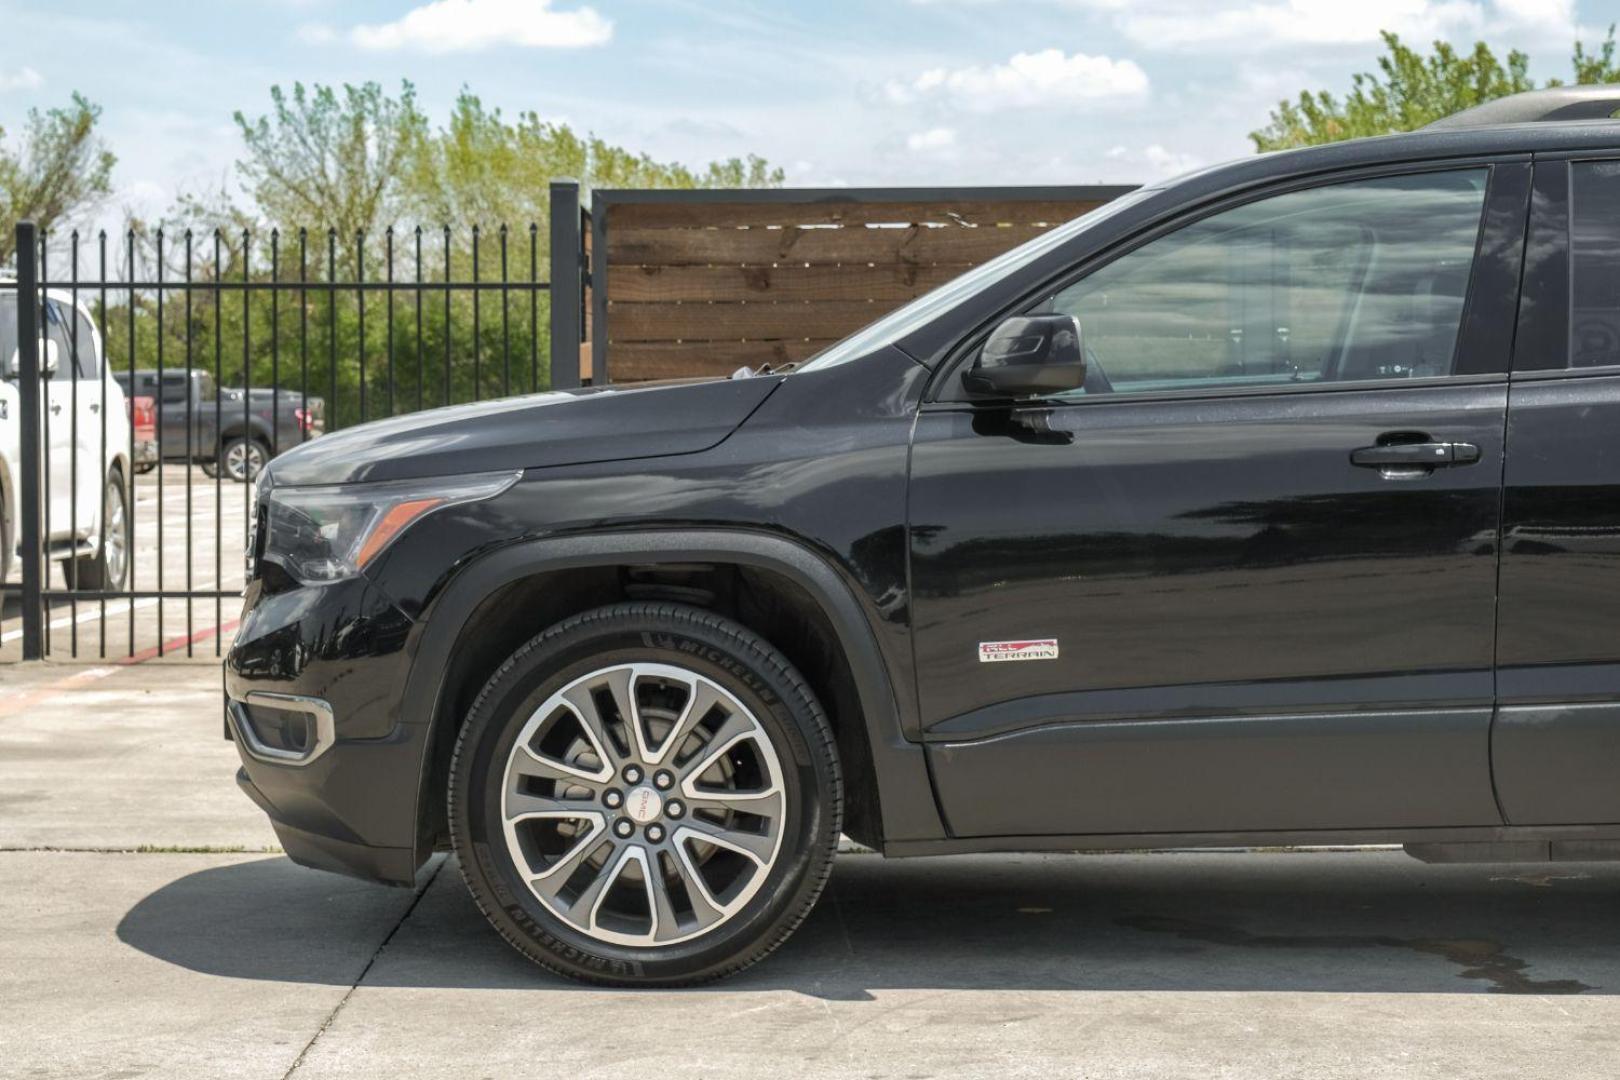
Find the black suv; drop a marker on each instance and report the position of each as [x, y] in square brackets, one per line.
[1279, 504]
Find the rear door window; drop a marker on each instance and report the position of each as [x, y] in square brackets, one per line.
[1594, 250]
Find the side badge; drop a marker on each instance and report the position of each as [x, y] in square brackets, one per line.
[997, 652]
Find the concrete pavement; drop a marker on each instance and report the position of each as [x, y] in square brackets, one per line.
[208, 963]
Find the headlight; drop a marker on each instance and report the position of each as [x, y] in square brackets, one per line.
[325, 534]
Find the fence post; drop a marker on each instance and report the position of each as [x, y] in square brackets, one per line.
[29, 384]
[567, 292]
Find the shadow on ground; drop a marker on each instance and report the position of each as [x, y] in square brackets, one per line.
[1342, 922]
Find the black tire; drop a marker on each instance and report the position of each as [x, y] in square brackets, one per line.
[718, 650]
[108, 569]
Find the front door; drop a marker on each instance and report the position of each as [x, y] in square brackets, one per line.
[1245, 579]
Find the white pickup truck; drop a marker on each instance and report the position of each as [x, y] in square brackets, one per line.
[87, 481]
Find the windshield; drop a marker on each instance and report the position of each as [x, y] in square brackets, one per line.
[902, 321]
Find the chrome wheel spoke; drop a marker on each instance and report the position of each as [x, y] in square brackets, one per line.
[549, 882]
[755, 846]
[587, 905]
[736, 729]
[582, 702]
[665, 922]
[528, 763]
[521, 806]
[701, 697]
[706, 910]
[767, 803]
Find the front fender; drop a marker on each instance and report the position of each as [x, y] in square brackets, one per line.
[905, 793]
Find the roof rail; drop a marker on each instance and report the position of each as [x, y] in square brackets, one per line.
[1555, 104]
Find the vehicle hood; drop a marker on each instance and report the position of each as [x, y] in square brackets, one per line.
[567, 427]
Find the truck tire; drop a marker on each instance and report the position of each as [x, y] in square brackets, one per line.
[669, 849]
[108, 569]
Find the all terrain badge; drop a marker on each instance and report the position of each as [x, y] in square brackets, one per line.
[997, 652]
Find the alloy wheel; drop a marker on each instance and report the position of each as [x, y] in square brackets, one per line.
[643, 804]
[243, 460]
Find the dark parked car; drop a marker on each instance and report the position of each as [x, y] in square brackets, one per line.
[224, 434]
[1279, 504]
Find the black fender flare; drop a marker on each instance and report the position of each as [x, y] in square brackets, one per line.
[905, 792]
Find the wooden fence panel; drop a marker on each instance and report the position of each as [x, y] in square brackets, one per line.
[700, 286]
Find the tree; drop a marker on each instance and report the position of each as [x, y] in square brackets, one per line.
[482, 167]
[330, 161]
[60, 169]
[1411, 90]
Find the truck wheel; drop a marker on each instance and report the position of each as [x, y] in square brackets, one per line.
[108, 569]
[243, 457]
[645, 794]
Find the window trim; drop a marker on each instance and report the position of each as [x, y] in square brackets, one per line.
[1501, 221]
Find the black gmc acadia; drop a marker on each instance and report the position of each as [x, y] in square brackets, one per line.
[1277, 504]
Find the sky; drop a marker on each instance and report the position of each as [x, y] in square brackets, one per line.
[837, 92]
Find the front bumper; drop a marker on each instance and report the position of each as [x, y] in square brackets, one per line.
[338, 654]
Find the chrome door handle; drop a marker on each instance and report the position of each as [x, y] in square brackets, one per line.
[1415, 455]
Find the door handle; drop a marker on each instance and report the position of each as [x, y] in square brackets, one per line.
[57, 407]
[1407, 457]
[95, 406]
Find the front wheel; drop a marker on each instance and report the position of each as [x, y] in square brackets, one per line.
[646, 794]
[108, 569]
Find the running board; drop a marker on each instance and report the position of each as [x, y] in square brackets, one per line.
[1517, 851]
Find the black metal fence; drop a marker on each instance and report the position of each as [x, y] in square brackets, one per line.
[147, 377]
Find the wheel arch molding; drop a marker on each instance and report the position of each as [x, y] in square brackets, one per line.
[906, 806]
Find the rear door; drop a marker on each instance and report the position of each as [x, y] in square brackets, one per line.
[1246, 576]
[1556, 740]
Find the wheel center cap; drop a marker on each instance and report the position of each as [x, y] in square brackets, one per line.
[643, 804]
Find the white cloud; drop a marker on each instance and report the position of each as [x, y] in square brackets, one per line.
[1154, 161]
[445, 26]
[24, 78]
[1174, 24]
[1047, 78]
[940, 138]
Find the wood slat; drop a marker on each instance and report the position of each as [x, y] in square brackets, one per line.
[729, 215]
[893, 282]
[730, 322]
[640, 361]
[755, 247]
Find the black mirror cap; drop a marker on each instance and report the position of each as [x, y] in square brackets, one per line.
[1029, 355]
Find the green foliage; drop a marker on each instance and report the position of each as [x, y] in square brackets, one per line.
[331, 160]
[1411, 90]
[483, 167]
[60, 169]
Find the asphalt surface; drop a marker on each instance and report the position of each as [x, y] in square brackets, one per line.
[149, 928]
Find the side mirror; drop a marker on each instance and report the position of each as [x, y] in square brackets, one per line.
[49, 358]
[1028, 355]
[9, 365]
